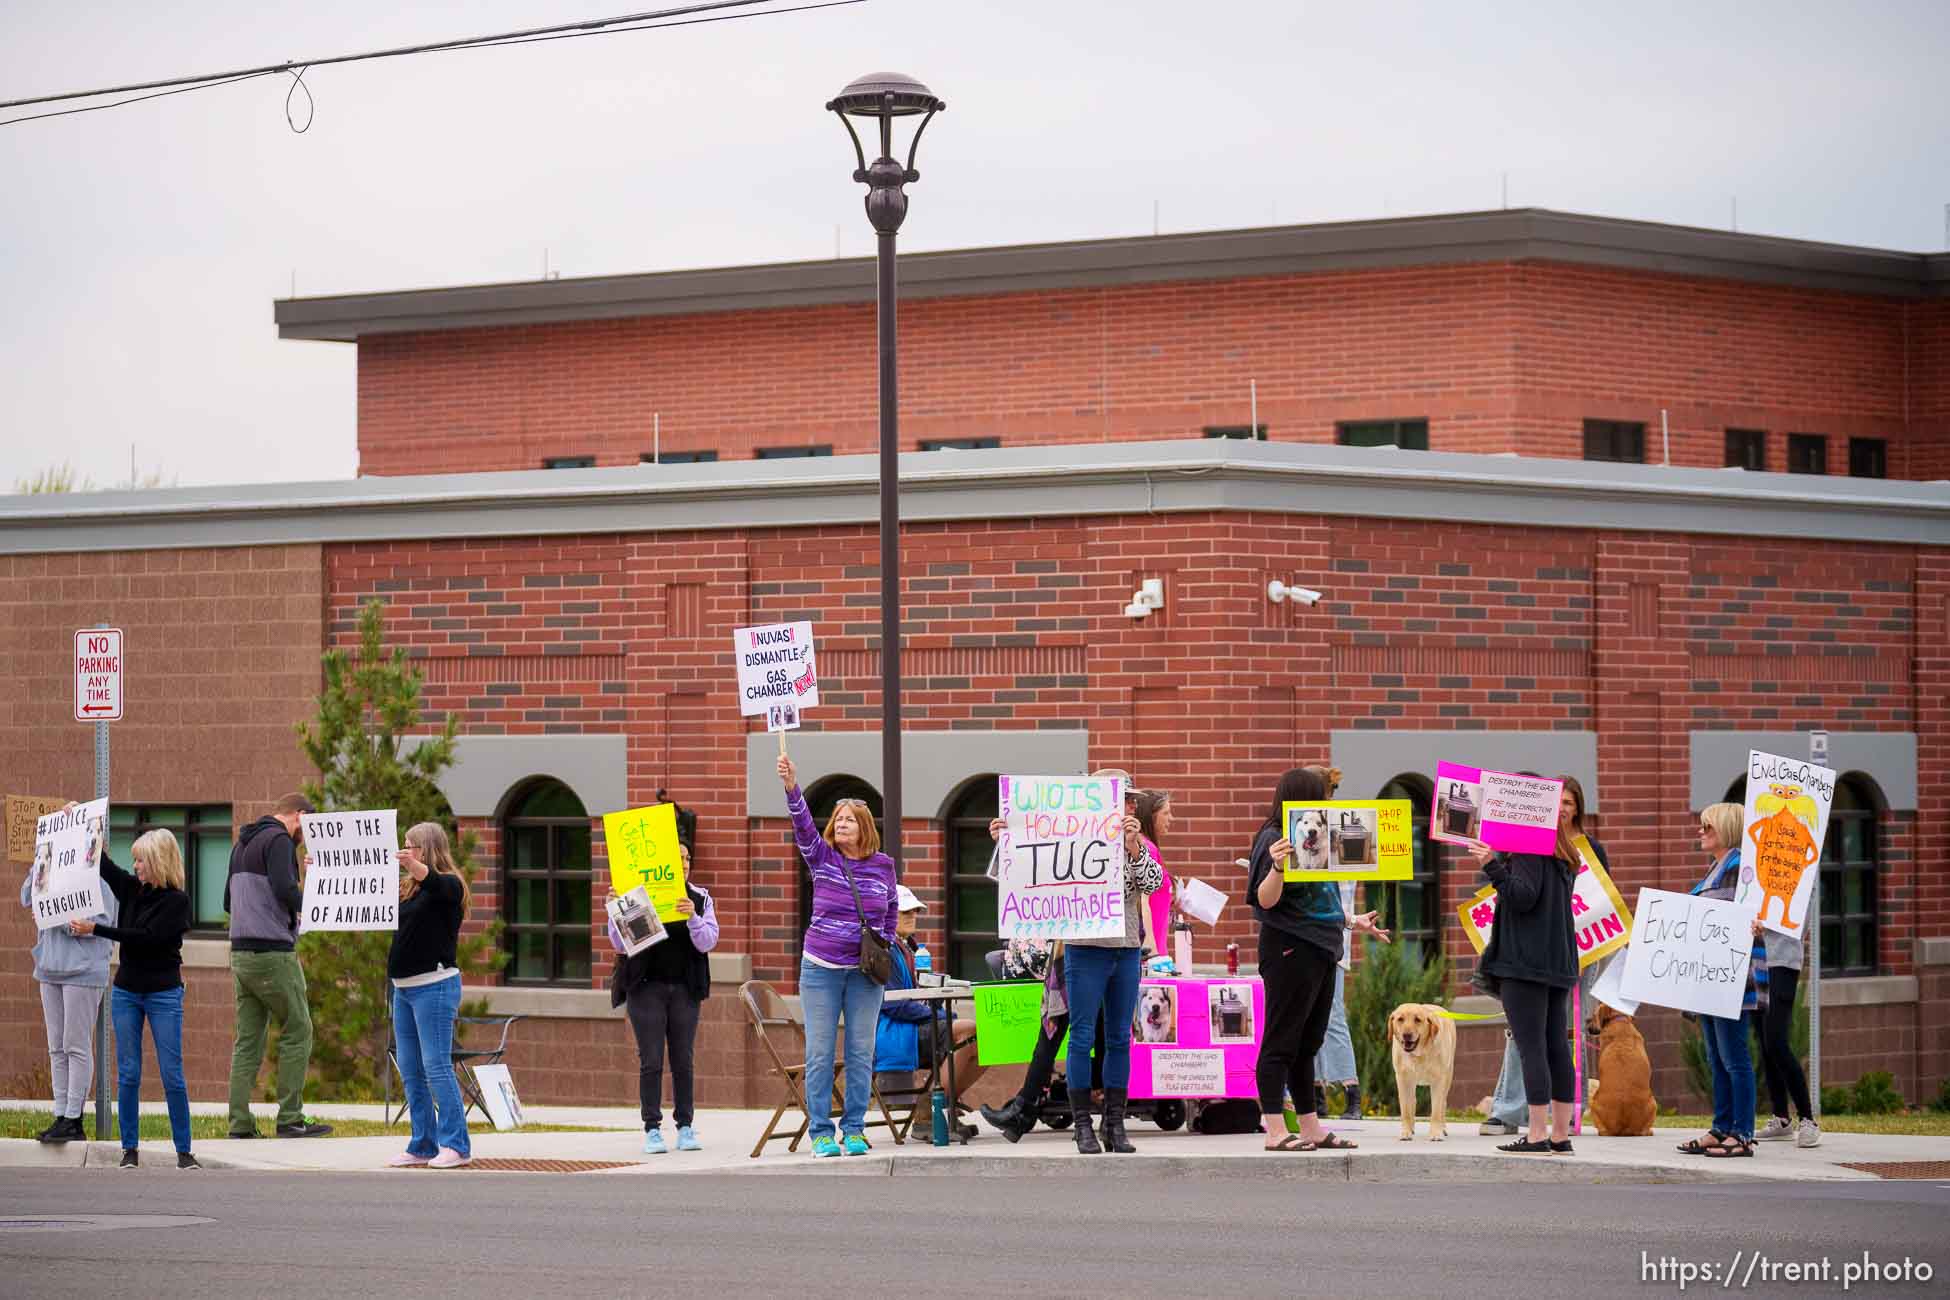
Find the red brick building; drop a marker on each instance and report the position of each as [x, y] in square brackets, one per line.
[1499, 597]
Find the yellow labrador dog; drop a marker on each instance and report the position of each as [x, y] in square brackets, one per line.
[1423, 1043]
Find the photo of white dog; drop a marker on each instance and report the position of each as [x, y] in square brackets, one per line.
[1312, 843]
[1156, 1020]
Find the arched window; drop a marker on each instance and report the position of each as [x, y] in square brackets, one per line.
[1849, 862]
[546, 859]
[822, 796]
[971, 894]
[1412, 909]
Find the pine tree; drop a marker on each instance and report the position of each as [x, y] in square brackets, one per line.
[365, 759]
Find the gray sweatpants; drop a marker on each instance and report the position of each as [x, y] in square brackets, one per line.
[69, 1011]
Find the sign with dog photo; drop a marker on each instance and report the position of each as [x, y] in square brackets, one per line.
[1351, 839]
[1781, 837]
[1508, 811]
[1604, 923]
[1060, 858]
[65, 880]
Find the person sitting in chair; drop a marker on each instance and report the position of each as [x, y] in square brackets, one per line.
[909, 1037]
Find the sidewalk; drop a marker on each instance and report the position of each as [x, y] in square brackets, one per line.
[728, 1136]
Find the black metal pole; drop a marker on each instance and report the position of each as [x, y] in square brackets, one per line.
[890, 553]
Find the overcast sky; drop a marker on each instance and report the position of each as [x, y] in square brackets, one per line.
[141, 248]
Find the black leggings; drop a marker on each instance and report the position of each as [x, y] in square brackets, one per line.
[1784, 1074]
[1540, 1021]
[1299, 981]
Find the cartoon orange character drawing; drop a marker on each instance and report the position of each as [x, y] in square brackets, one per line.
[1784, 844]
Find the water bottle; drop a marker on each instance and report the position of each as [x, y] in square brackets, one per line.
[1181, 945]
[923, 963]
[940, 1118]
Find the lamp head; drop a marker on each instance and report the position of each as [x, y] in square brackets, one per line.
[882, 97]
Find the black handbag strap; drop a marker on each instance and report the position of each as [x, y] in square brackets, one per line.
[855, 891]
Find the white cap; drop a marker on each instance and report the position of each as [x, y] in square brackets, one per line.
[910, 901]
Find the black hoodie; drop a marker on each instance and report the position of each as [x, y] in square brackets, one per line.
[262, 894]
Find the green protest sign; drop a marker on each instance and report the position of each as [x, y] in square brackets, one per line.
[1008, 1021]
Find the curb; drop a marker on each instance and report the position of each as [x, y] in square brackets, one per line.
[1292, 1168]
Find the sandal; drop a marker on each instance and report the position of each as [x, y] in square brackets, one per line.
[1334, 1142]
[1525, 1147]
[1698, 1147]
[1291, 1142]
[1735, 1147]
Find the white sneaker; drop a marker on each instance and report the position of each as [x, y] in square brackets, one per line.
[1495, 1128]
[407, 1160]
[1809, 1134]
[1777, 1130]
[448, 1159]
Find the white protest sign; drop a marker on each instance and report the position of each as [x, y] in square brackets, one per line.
[498, 1091]
[776, 666]
[1689, 953]
[1060, 859]
[1781, 837]
[1606, 988]
[67, 870]
[1201, 902]
[352, 873]
[98, 674]
[1183, 1072]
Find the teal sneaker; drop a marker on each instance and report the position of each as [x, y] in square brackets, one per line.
[687, 1138]
[653, 1143]
[823, 1147]
[856, 1144]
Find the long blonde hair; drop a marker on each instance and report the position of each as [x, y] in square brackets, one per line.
[429, 840]
[165, 860]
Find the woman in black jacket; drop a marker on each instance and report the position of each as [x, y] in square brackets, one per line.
[1531, 963]
[155, 914]
[424, 967]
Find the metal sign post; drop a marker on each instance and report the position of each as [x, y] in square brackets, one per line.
[1811, 926]
[98, 699]
[101, 1015]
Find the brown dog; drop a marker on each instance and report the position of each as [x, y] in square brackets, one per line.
[1624, 1105]
[1423, 1046]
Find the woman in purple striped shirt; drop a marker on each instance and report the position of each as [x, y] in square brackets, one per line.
[831, 987]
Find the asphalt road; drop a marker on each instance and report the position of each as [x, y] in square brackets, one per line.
[486, 1236]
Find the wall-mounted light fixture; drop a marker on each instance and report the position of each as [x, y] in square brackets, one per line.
[1150, 595]
[1279, 592]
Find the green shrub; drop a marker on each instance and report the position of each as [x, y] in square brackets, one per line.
[1837, 1100]
[1942, 1101]
[1876, 1094]
[1386, 976]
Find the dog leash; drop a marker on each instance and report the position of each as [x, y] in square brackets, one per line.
[1470, 1015]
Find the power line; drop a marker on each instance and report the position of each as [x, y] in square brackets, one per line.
[637, 22]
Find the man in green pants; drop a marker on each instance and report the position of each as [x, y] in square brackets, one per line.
[263, 898]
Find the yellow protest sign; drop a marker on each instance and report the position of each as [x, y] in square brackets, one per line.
[643, 851]
[1350, 839]
[1603, 922]
[24, 812]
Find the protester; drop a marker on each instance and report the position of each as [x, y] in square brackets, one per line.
[1155, 816]
[154, 916]
[1777, 982]
[1101, 978]
[1336, 1063]
[72, 972]
[425, 970]
[263, 897]
[664, 987]
[854, 886]
[1728, 1056]
[1300, 940]
[1531, 964]
[910, 1037]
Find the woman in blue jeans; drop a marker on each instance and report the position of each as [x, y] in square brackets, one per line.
[425, 971]
[155, 914]
[1729, 1058]
[844, 859]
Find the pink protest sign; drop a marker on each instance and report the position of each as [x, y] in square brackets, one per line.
[1509, 812]
[1197, 1037]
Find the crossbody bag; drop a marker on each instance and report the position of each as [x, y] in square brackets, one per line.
[876, 957]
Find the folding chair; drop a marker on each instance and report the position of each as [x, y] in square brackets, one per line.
[778, 1023]
[462, 1057]
[895, 1089]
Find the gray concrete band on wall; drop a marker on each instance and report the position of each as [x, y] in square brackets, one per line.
[1719, 758]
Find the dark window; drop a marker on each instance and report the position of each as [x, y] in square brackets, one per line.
[1412, 909]
[1868, 458]
[1614, 440]
[1849, 863]
[1747, 449]
[791, 453]
[960, 444]
[1409, 435]
[822, 797]
[569, 462]
[680, 458]
[1244, 431]
[545, 849]
[1807, 453]
[971, 894]
[202, 831]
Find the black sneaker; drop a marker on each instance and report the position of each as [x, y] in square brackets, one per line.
[47, 1134]
[64, 1130]
[1561, 1148]
[304, 1128]
[128, 1158]
[184, 1160]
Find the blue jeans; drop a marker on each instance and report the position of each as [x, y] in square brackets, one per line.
[828, 996]
[164, 1011]
[1106, 980]
[1334, 1063]
[423, 1043]
[1731, 1063]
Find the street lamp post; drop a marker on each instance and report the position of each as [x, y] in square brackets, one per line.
[882, 97]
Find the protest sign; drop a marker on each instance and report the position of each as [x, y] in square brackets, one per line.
[1350, 839]
[1201, 902]
[1507, 811]
[1181, 1072]
[1008, 1022]
[67, 867]
[642, 845]
[1603, 922]
[1689, 953]
[1197, 1037]
[1060, 869]
[1606, 988]
[634, 919]
[1785, 826]
[24, 813]
[497, 1087]
[776, 666]
[351, 871]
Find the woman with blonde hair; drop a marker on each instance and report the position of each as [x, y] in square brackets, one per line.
[155, 914]
[1729, 1058]
[425, 972]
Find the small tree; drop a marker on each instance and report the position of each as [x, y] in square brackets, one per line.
[365, 760]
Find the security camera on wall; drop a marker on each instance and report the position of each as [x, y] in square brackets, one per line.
[1279, 592]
